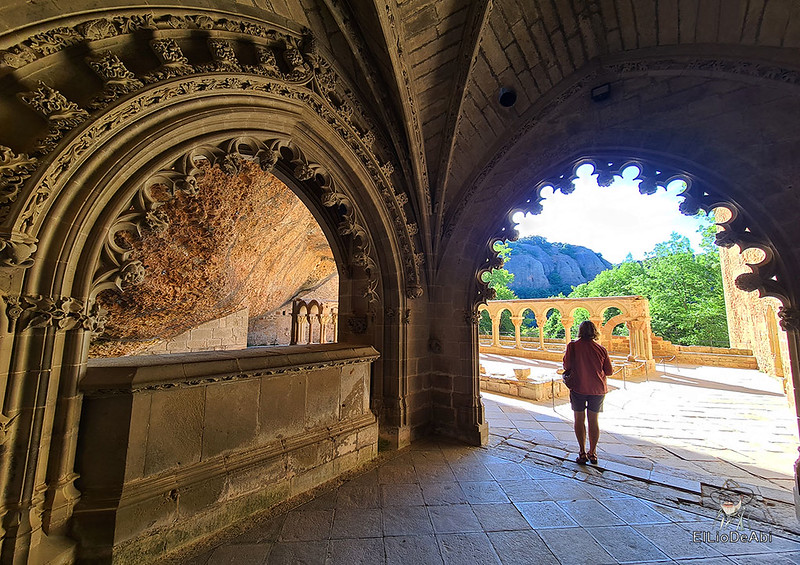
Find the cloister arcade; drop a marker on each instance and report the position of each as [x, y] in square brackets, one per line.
[314, 321]
[634, 313]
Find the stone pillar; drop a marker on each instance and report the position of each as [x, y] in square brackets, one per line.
[790, 323]
[567, 322]
[496, 329]
[323, 323]
[540, 322]
[517, 321]
[647, 334]
[631, 325]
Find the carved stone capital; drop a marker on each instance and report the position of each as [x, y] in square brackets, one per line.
[59, 312]
[790, 319]
[14, 171]
[16, 254]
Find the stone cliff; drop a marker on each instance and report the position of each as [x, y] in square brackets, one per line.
[543, 269]
[239, 241]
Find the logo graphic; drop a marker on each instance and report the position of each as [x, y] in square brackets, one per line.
[732, 499]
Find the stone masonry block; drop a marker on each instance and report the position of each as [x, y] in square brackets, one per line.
[282, 405]
[176, 428]
[231, 416]
[322, 398]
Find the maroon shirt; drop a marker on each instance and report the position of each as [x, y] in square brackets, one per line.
[590, 364]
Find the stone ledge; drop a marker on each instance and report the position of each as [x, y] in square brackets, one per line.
[120, 375]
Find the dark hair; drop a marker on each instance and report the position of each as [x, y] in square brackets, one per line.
[588, 330]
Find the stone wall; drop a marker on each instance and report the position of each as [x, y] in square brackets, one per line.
[223, 334]
[753, 322]
[175, 448]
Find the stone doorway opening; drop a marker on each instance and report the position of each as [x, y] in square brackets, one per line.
[748, 264]
[236, 261]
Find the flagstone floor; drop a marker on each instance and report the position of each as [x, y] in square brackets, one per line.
[521, 499]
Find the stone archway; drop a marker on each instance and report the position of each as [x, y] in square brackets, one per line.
[768, 274]
[90, 176]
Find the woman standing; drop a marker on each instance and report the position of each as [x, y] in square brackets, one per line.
[590, 364]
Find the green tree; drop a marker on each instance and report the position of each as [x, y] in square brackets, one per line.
[499, 279]
[687, 304]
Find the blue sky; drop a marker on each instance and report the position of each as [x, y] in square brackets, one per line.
[614, 220]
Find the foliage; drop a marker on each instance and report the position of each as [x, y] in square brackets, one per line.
[687, 304]
[499, 279]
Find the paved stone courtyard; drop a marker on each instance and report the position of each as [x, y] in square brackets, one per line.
[522, 499]
[685, 421]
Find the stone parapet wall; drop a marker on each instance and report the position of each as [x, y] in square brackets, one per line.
[178, 447]
[753, 322]
[222, 334]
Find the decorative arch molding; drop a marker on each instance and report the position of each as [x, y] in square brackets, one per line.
[766, 276]
[141, 214]
[744, 65]
[289, 66]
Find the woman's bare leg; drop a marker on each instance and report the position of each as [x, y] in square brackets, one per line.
[594, 431]
[580, 430]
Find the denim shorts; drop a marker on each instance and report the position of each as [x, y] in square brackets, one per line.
[581, 402]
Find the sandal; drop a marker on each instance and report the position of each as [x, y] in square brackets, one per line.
[592, 458]
[581, 459]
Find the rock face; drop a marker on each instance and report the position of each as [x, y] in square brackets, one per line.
[544, 269]
[239, 241]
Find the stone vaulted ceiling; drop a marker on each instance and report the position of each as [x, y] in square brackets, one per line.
[434, 68]
[429, 71]
[458, 55]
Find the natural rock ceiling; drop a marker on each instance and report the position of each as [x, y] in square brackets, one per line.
[243, 240]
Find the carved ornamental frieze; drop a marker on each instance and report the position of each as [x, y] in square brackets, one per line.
[14, 171]
[60, 313]
[287, 65]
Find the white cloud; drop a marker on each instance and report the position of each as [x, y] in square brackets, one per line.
[613, 221]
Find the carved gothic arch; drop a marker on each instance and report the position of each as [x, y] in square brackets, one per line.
[289, 65]
[768, 275]
[95, 180]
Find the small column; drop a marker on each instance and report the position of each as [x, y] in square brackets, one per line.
[648, 340]
[540, 322]
[323, 323]
[567, 323]
[517, 321]
[631, 325]
[496, 329]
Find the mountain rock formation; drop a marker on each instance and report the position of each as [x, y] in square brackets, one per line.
[542, 268]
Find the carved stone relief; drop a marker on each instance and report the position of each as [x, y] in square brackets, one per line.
[117, 270]
[62, 115]
[292, 60]
[14, 171]
[117, 79]
[62, 313]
